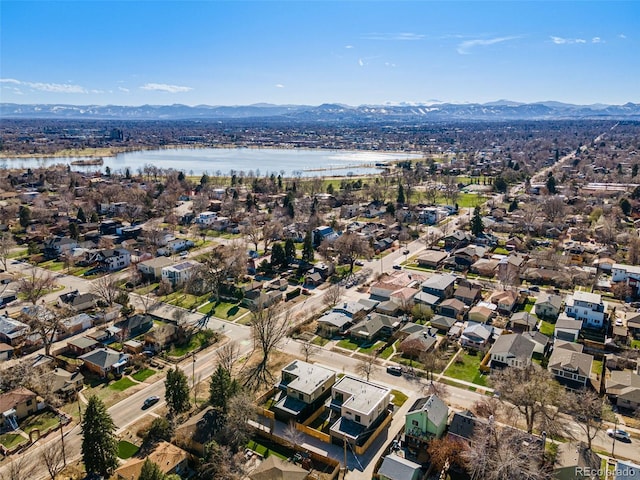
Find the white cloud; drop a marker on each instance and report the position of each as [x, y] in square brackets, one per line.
[569, 41]
[348, 46]
[279, 85]
[403, 36]
[47, 87]
[123, 89]
[464, 47]
[596, 40]
[622, 35]
[389, 64]
[163, 87]
[360, 62]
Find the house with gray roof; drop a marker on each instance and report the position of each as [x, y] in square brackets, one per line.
[623, 389]
[476, 335]
[570, 368]
[12, 332]
[567, 329]
[522, 322]
[395, 467]
[440, 285]
[305, 386]
[427, 419]
[548, 305]
[463, 425]
[104, 360]
[442, 322]
[374, 326]
[512, 350]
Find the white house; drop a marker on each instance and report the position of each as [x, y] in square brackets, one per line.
[114, 259]
[512, 350]
[206, 218]
[586, 307]
[180, 273]
[174, 246]
[630, 274]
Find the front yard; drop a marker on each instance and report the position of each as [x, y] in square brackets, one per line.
[225, 310]
[465, 367]
[42, 421]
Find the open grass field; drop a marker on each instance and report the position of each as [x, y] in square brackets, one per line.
[126, 449]
[465, 367]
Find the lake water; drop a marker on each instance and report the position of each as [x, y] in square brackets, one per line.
[214, 161]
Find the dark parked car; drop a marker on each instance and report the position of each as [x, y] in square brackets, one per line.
[149, 401]
[394, 370]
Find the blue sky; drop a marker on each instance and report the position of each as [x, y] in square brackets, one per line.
[294, 52]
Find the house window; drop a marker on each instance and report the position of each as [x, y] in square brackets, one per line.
[414, 423]
[358, 418]
[29, 402]
[300, 396]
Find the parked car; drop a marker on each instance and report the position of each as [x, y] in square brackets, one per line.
[619, 434]
[397, 266]
[394, 370]
[359, 263]
[149, 401]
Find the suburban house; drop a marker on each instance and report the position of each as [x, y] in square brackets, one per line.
[81, 345]
[442, 323]
[512, 350]
[205, 218]
[432, 259]
[306, 387]
[259, 299]
[629, 274]
[427, 419]
[440, 285]
[276, 468]
[374, 326]
[548, 305]
[174, 246]
[522, 322]
[78, 301]
[457, 239]
[468, 294]
[362, 406]
[574, 461]
[623, 389]
[180, 273]
[161, 336]
[64, 383]
[463, 426]
[476, 336]
[340, 318]
[15, 405]
[567, 329]
[76, 324]
[104, 360]
[452, 307]
[6, 352]
[56, 246]
[113, 259]
[541, 341]
[134, 326]
[570, 366]
[395, 467]
[481, 313]
[633, 323]
[485, 266]
[506, 300]
[586, 307]
[323, 233]
[169, 458]
[388, 284]
[152, 269]
[418, 342]
[12, 332]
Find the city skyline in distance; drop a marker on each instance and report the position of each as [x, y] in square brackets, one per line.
[311, 53]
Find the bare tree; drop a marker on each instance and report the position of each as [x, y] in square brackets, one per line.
[366, 366]
[445, 452]
[225, 263]
[253, 232]
[554, 208]
[43, 322]
[7, 243]
[36, 285]
[294, 436]
[241, 410]
[588, 410]
[350, 247]
[271, 231]
[52, 456]
[308, 349]
[106, 289]
[269, 325]
[333, 295]
[534, 393]
[147, 301]
[227, 355]
[19, 468]
[505, 454]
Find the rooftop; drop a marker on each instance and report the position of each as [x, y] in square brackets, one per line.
[363, 395]
[308, 376]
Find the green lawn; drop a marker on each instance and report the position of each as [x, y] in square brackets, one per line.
[184, 300]
[122, 384]
[387, 352]
[371, 348]
[501, 251]
[398, 398]
[126, 449]
[348, 344]
[43, 422]
[467, 368]
[320, 341]
[10, 440]
[635, 343]
[265, 451]
[596, 367]
[142, 375]
[547, 328]
[146, 288]
[193, 344]
[225, 310]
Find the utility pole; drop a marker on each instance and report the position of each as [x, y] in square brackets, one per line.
[193, 374]
[613, 445]
[64, 456]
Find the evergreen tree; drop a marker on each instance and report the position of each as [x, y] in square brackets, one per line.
[107, 171]
[150, 471]
[95, 218]
[634, 170]
[477, 227]
[24, 215]
[625, 206]
[221, 388]
[513, 205]
[400, 199]
[204, 179]
[278, 257]
[127, 174]
[181, 176]
[74, 231]
[82, 217]
[551, 184]
[307, 248]
[500, 185]
[177, 391]
[289, 250]
[99, 444]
